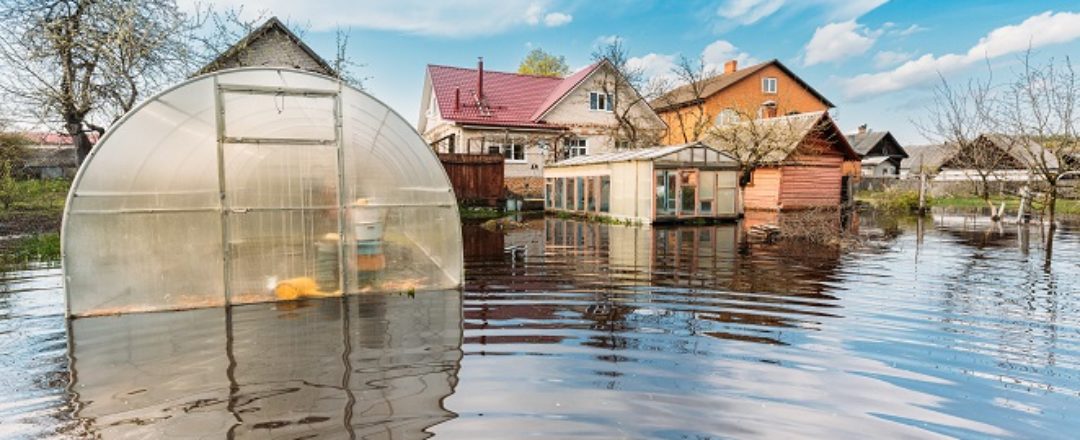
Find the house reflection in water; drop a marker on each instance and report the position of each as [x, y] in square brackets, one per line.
[263, 370]
[682, 279]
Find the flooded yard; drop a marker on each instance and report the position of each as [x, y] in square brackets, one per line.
[566, 329]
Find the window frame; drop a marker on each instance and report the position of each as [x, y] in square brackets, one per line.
[580, 143]
[508, 149]
[595, 101]
[765, 81]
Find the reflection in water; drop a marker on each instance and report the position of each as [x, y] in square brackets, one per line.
[949, 326]
[369, 365]
[585, 330]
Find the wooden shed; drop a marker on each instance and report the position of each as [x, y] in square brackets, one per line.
[647, 185]
[809, 164]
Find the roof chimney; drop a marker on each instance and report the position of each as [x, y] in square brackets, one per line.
[863, 129]
[480, 78]
[731, 66]
[457, 98]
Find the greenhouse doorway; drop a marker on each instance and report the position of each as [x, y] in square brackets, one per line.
[282, 189]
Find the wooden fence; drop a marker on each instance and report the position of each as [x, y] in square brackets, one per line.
[477, 178]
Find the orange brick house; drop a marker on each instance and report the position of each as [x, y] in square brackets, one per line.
[764, 90]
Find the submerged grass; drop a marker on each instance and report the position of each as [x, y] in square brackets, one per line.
[899, 201]
[31, 248]
[479, 213]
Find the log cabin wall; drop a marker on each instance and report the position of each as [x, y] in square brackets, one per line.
[811, 177]
[763, 191]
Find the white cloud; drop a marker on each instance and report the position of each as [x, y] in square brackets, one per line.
[744, 12]
[888, 58]
[659, 66]
[748, 11]
[423, 17]
[556, 19]
[721, 51]
[836, 41]
[605, 40]
[533, 14]
[910, 30]
[653, 65]
[843, 10]
[1037, 31]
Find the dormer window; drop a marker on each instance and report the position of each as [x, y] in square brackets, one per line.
[768, 84]
[601, 101]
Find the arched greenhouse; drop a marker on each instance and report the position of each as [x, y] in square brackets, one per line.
[254, 185]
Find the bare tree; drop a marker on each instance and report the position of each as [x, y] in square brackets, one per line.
[689, 120]
[636, 126]
[757, 138]
[1041, 110]
[72, 61]
[222, 31]
[961, 118]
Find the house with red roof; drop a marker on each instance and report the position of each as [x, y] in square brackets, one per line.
[532, 120]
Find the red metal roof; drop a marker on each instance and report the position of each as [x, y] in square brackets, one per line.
[511, 99]
[53, 138]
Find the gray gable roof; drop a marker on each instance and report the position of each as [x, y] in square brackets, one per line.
[865, 142]
[271, 44]
[926, 158]
[862, 143]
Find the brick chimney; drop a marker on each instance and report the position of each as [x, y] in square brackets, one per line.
[863, 129]
[480, 78]
[731, 66]
[457, 98]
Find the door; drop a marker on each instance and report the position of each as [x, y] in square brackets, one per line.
[688, 192]
[282, 198]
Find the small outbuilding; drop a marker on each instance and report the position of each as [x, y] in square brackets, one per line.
[806, 162]
[252, 185]
[647, 185]
[881, 154]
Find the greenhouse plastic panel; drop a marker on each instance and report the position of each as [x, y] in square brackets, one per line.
[255, 185]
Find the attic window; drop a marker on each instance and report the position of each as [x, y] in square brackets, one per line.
[601, 101]
[768, 84]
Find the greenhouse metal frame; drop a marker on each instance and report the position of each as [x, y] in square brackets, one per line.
[252, 185]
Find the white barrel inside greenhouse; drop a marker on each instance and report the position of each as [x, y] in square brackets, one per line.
[255, 185]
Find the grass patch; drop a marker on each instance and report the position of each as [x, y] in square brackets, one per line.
[895, 201]
[32, 248]
[899, 201]
[39, 195]
[479, 213]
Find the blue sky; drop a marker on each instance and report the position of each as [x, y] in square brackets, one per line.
[875, 59]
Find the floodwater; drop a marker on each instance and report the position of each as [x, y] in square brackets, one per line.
[946, 328]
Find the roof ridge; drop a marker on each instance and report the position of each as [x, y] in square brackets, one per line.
[486, 71]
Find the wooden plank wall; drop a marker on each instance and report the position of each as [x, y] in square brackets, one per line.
[762, 193]
[812, 176]
[477, 178]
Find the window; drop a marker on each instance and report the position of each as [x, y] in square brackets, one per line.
[549, 193]
[727, 116]
[576, 147]
[513, 149]
[601, 101]
[767, 110]
[590, 194]
[605, 193]
[768, 85]
[579, 194]
[560, 185]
